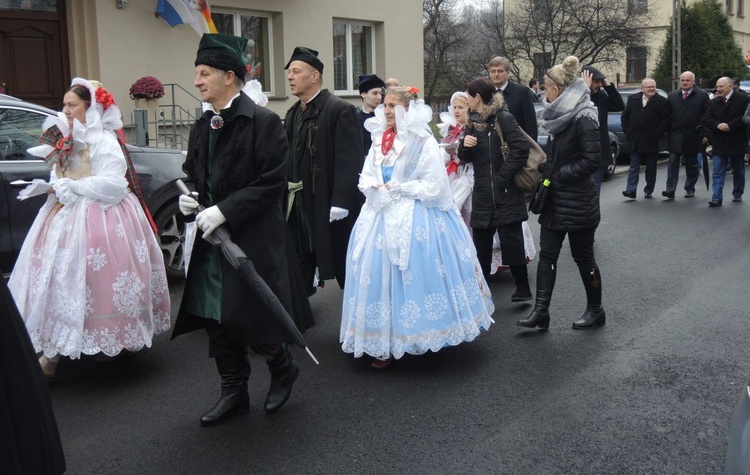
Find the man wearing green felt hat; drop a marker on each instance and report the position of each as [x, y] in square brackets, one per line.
[236, 165]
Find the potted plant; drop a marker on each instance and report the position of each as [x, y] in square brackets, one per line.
[146, 89]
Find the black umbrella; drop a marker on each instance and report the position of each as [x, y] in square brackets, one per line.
[704, 146]
[238, 260]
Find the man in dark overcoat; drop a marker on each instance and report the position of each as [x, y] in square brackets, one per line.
[606, 99]
[325, 160]
[686, 108]
[236, 162]
[644, 120]
[518, 98]
[723, 119]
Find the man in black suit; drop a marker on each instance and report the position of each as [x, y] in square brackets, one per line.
[644, 120]
[723, 119]
[686, 108]
[517, 97]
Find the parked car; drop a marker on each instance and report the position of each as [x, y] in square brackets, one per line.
[20, 128]
[738, 449]
[615, 125]
[543, 135]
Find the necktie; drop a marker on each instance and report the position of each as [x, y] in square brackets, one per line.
[685, 95]
[303, 106]
[724, 100]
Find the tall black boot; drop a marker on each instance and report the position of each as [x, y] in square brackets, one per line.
[284, 370]
[594, 315]
[234, 372]
[545, 283]
[521, 276]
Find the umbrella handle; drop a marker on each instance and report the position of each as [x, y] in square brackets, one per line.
[186, 191]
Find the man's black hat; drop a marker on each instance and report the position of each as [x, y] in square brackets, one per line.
[369, 81]
[225, 52]
[307, 55]
[595, 73]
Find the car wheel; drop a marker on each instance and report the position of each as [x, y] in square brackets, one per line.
[171, 224]
[615, 152]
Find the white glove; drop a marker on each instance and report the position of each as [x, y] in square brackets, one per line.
[338, 213]
[188, 204]
[209, 219]
[65, 190]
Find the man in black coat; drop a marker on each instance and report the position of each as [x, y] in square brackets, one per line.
[644, 120]
[723, 119]
[519, 99]
[325, 159]
[686, 108]
[606, 98]
[236, 165]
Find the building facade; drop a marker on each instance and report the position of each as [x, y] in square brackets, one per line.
[119, 41]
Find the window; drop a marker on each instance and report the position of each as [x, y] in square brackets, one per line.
[542, 62]
[19, 130]
[728, 4]
[258, 31]
[741, 8]
[637, 6]
[29, 5]
[353, 53]
[636, 63]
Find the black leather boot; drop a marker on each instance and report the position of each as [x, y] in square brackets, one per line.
[284, 370]
[234, 372]
[545, 283]
[521, 276]
[594, 315]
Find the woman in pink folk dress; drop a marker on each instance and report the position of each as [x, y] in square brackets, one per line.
[90, 275]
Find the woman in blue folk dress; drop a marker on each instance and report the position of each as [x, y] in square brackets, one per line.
[413, 280]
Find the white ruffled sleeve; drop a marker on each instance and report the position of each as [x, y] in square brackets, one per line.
[429, 181]
[376, 197]
[107, 183]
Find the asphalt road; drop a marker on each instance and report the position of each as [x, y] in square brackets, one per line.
[652, 392]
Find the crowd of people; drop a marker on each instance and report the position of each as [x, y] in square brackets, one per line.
[412, 227]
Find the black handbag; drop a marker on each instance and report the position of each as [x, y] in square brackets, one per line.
[541, 193]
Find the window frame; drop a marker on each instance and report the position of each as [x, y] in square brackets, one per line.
[631, 62]
[637, 6]
[268, 65]
[741, 8]
[352, 88]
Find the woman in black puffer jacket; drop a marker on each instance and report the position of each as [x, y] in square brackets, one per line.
[496, 204]
[573, 206]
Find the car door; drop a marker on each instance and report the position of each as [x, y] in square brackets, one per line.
[20, 129]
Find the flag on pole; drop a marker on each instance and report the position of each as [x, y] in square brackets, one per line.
[195, 13]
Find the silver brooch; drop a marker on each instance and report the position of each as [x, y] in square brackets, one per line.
[217, 122]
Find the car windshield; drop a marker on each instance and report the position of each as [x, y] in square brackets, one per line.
[19, 130]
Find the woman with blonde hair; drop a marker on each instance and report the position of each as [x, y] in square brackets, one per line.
[573, 205]
[414, 283]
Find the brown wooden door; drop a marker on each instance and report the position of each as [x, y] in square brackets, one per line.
[34, 62]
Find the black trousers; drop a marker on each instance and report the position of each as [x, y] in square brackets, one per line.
[581, 246]
[231, 342]
[511, 245]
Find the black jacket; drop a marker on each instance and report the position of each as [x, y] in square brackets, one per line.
[685, 118]
[335, 153]
[643, 126]
[575, 154]
[733, 142]
[520, 104]
[606, 100]
[496, 201]
[248, 183]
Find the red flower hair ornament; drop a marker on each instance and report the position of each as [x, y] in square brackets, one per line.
[104, 98]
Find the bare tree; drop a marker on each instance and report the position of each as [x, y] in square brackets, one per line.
[541, 33]
[443, 35]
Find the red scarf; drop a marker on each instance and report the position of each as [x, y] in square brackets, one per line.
[388, 137]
